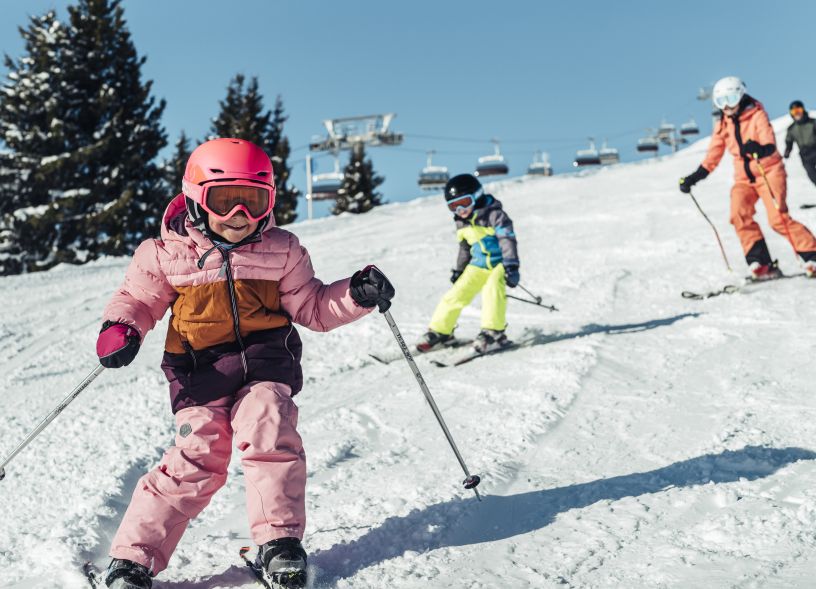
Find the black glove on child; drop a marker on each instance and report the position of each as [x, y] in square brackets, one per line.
[511, 275]
[455, 274]
[370, 288]
[751, 147]
[686, 183]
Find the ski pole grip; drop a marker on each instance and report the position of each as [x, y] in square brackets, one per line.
[383, 305]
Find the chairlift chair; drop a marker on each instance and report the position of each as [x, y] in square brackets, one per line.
[540, 165]
[325, 186]
[689, 128]
[608, 155]
[587, 157]
[433, 177]
[492, 165]
[665, 132]
[649, 143]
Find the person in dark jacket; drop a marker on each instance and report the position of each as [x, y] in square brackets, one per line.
[487, 262]
[802, 132]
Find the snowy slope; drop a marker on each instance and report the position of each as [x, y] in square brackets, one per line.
[637, 440]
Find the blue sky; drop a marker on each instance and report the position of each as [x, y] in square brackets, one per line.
[535, 74]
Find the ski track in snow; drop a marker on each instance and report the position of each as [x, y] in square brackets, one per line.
[637, 439]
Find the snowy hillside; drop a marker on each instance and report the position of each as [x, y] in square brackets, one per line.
[638, 439]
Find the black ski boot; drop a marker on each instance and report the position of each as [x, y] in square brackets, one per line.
[433, 341]
[284, 561]
[124, 574]
[490, 340]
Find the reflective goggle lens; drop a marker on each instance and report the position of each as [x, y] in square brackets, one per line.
[797, 110]
[222, 199]
[463, 202]
[731, 100]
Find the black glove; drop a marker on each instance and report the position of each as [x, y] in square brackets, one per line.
[370, 288]
[751, 147]
[787, 152]
[117, 344]
[686, 183]
[455, 274]
[511, 275]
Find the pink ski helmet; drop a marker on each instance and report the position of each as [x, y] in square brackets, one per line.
[224, 176]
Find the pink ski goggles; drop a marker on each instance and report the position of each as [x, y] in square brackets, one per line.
[222, 201]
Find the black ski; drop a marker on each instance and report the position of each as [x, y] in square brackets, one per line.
[734, 288]
[456, 343]
[93, 575]
[476, 354]
[808, 206]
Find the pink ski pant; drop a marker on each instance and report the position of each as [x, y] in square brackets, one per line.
[262, 419]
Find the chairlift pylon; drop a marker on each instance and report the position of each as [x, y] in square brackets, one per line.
[492, 165]
[540, 165]
[433, 177]
[587, 157]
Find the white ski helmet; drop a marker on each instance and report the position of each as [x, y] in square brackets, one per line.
[728, 92]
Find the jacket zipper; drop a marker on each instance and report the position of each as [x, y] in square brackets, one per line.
[236, 322]
[286, 341]
[189, 349]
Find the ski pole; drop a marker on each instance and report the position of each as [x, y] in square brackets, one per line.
[716, 233]
[472, 480]
[536, 297]
[537, 303]
[773, 198]
[51, 416]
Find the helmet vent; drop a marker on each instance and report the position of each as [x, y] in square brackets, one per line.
[263, 174]
[216, 171]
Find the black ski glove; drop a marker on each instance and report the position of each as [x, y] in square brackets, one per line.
[117, 344]
[455, 274]
[787, 152]
[686, 183]
[370, 288]
[511, 275]
[751, 147]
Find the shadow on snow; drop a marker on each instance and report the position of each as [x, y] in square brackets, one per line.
[461, 522]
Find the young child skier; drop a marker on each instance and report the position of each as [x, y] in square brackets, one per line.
[236, 285]
[744, 129]
[488, 260]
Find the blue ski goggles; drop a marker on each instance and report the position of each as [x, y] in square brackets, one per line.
[732, 99]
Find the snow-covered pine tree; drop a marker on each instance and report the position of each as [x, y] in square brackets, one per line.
[358, 194]
[174, 167]
[83, 132]
[242, 115]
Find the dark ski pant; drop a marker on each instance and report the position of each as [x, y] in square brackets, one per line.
[809, 162]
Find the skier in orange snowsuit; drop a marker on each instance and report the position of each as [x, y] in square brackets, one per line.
[744, 129]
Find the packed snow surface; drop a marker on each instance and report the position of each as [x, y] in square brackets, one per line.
[637, 439]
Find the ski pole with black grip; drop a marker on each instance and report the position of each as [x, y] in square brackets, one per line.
[51, 416]
[471, 481]
[776, 203]
[716, 233]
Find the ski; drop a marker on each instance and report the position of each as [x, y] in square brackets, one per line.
[472, 355]
[452, 345]
[735, 288]
[93, 574]
[808, 206]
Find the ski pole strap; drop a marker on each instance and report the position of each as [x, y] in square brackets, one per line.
[51, 416]
[470, 481]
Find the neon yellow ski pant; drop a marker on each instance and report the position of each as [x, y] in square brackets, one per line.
[473, 280]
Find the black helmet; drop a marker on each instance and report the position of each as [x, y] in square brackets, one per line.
[796, 103]
[462, 185]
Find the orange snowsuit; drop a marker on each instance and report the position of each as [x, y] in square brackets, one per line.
[748, 183]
